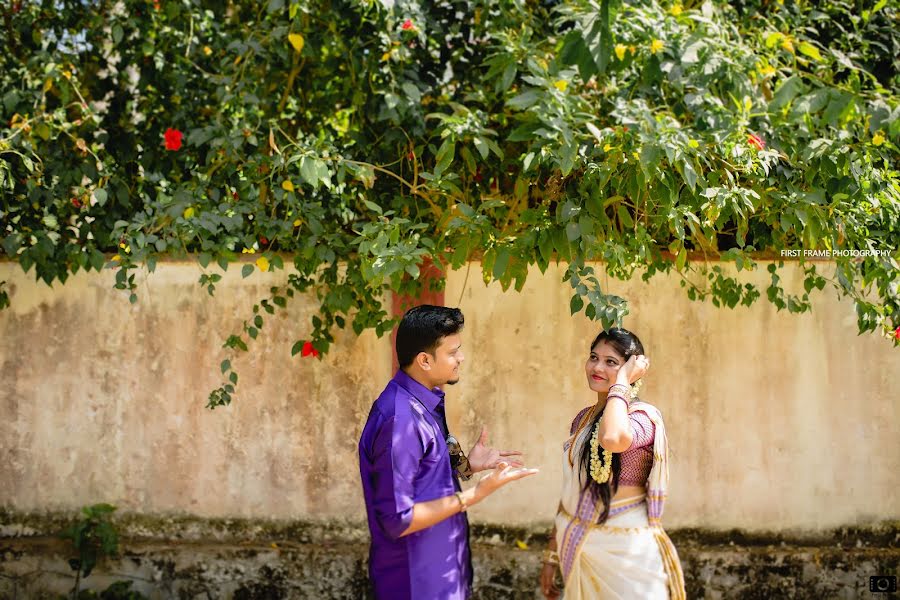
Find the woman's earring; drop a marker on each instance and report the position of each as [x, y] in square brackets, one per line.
[635, 388]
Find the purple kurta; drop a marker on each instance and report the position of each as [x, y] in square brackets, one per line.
[403, 459]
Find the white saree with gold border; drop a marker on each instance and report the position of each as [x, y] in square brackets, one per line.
[629, 556]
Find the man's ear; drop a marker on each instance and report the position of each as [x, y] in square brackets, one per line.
[423, 359]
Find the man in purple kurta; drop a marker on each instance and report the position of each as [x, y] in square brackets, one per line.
[414, 502]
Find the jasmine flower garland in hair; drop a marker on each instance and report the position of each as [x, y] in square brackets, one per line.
[599, 469]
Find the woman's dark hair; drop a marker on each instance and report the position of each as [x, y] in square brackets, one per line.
[422, 329]
[627, 344]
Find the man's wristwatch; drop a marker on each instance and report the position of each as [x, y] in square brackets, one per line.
[464, 469]
[462, 502]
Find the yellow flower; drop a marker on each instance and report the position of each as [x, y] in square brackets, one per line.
[676, 10]
[248, 251]
[788, 44]
[521, 545]
[607, 148]
[386, 56]
[125, 247]
[767, 70]
[287, 186]
[878, 139]
[693, 143]
[297, 223]
[561, 85]
[636, 156]
[67, 74]
[117, 257]
[620, 51]
[207, 50]
[263, 263]
[296, 41]
[188, 212]
[632, 48]
[656, 46]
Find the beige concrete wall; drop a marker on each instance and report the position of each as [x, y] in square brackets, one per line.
[776, 421]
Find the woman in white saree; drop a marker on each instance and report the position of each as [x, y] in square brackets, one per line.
[608, 541]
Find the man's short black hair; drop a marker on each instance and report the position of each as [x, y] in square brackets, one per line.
[422, 329]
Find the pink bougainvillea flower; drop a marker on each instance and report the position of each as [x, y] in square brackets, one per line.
[308, 350]
[408, 25]
[755, 141]
[173, 139]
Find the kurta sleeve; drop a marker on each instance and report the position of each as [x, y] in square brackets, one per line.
[397, 453]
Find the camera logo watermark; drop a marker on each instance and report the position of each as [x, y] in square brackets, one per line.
[837, 253]
[883, 584]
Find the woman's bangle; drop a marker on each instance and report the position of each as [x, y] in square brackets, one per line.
[550, 557]
[614, 389]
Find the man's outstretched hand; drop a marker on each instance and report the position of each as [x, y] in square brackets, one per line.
[481, 457]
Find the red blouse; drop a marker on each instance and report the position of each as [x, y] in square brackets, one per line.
[638, 459]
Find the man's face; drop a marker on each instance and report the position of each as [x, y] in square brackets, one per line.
[446, 361]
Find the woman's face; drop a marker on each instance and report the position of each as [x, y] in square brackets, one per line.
[602, 365]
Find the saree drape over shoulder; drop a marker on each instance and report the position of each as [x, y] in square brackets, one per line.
[629, 556]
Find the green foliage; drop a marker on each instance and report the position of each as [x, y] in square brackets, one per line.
[361, 140]
[93, 537]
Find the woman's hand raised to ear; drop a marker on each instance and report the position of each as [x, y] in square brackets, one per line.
[633, 369]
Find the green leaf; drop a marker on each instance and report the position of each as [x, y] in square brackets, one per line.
[309, 172]
[810, 51]
[786, 92]
[576, 304]
[681, 259]
[373, 207]
[525, 100]
[226, 365]
[500, 263]
[575, 52]
[246, 270]
[625, 217]
[297, 347]
[444, 157]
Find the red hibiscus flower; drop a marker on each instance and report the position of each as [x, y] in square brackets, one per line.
[76, 202]
[308, 350]
[173, 139]
[408, 25]
[755, 141]
[263, 241]
[897, 333]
